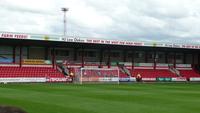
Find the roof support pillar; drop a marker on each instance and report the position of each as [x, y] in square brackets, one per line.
[166, 57]
[155, 60]
[133, 58]
[146, 56]
[75, 54]
[14, 54]
[174, 60]
[100, 58]
[20, 56]
[82, 57]
[46, 53]
[53, 57]
[193, 57]
[184, 58]
[109, 58]
[28, 52]
[198, 58]
[124, 55]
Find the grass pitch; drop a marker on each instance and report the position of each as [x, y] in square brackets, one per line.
[125, 98]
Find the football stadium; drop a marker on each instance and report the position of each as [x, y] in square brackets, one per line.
[147, 62]
[54, 74]
[53, 58]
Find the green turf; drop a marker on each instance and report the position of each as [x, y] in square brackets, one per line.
[126, 98]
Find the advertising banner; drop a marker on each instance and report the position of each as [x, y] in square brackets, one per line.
[14, 36]
[164, 79]
[114, 42]
[149, 79]
[77, 39]
[179, 79]
[162, 65]
[108, 79]
[127, 63]
[128, 79]
[113, 63]
[64, 79]
[195, 79]
[21, 80]
[143, 64]
[183, 65]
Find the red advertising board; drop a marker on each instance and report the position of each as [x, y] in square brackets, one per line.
[64, 79]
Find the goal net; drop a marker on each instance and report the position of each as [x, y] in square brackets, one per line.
[97, 75]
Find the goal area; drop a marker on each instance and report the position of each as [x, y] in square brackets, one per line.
[97, 75]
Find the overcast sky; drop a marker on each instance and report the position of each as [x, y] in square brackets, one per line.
[158, 20]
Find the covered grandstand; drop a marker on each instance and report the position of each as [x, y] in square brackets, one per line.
[51, 58]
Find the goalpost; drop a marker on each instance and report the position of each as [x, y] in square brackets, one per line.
[97, 75]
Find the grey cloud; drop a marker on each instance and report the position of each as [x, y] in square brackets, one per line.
[13, 8]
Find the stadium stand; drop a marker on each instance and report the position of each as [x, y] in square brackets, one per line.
[60, 57]
[151, 73]
[10, 71]
[189, 73]
[124, 72]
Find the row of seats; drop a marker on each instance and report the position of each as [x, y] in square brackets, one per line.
[50, 72]
[29, 72]
[150, 73]
[189, 73]
[145, 73]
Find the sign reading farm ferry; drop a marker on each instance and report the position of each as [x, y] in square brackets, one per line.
[14, 36]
